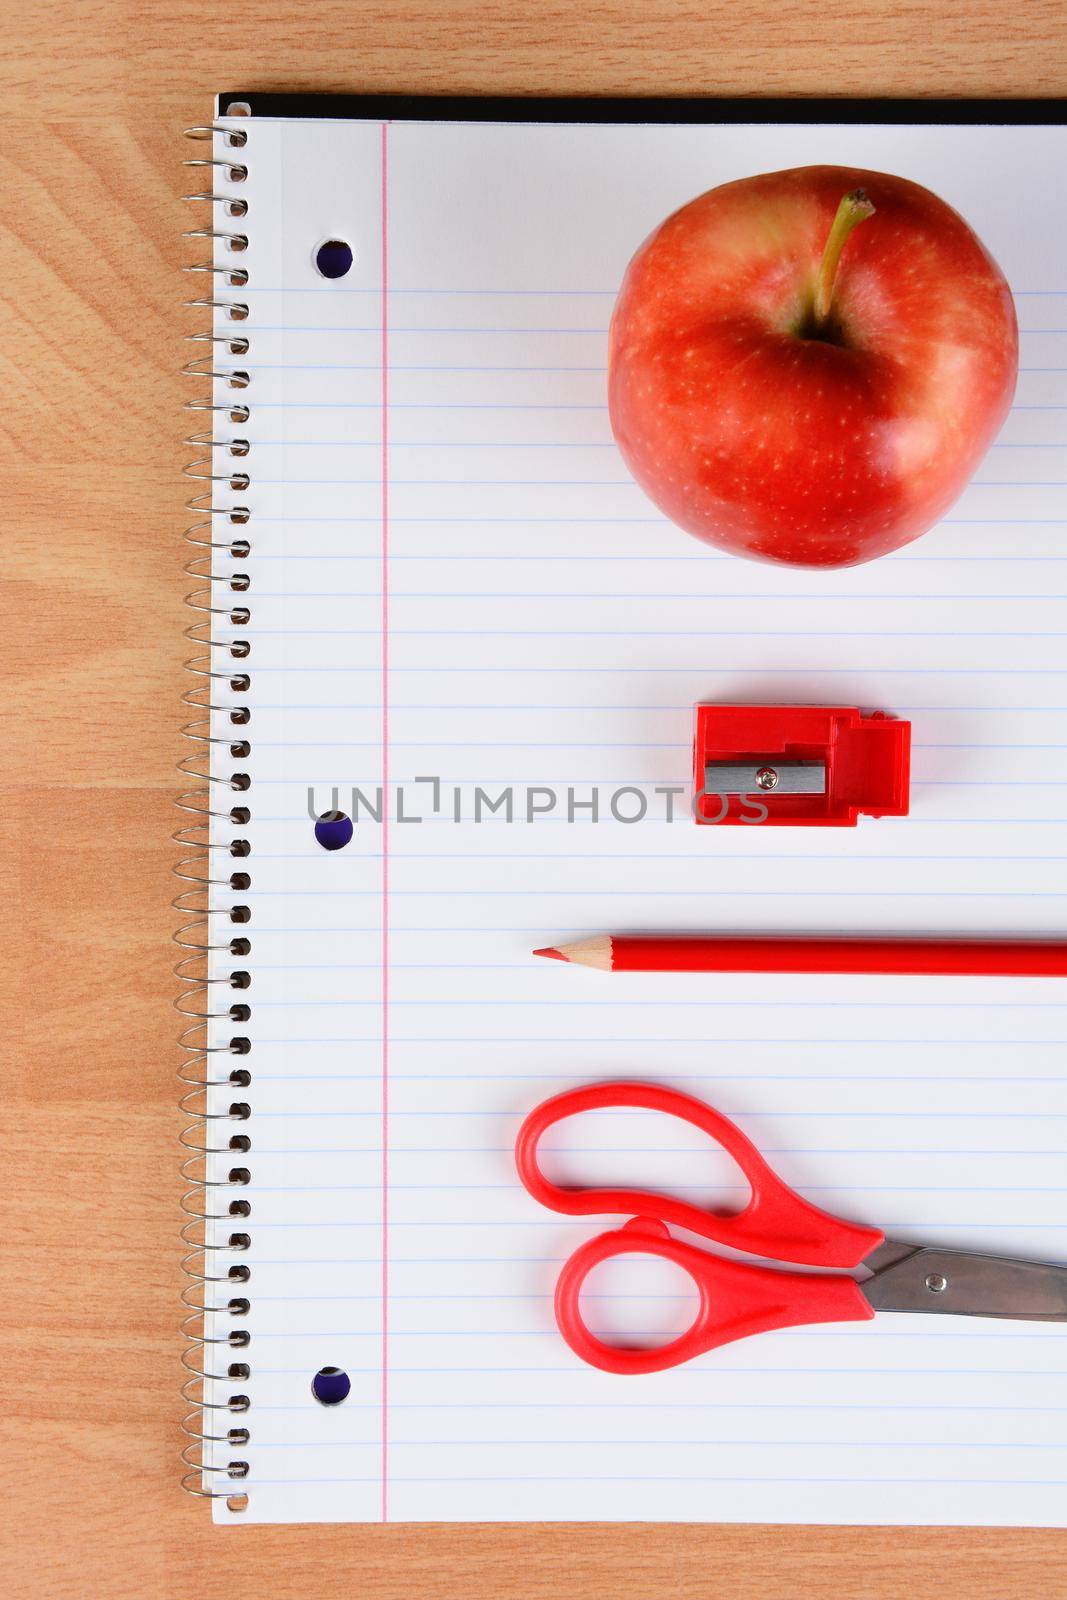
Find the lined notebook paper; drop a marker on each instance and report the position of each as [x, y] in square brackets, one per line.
[453, 577]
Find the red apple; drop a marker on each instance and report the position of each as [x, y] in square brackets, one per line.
[808, 366]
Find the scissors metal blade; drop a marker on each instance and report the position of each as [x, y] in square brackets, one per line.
[962, 1283]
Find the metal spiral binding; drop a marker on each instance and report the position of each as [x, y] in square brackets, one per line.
[214, 1228]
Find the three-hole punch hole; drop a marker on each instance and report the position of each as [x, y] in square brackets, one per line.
[334, 829]
[333, 258]
[330, 1386]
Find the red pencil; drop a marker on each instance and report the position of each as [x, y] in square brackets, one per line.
[984, 958]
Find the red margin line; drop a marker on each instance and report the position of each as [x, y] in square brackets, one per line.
[385, 828]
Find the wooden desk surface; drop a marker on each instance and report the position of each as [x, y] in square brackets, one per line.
[93, 97]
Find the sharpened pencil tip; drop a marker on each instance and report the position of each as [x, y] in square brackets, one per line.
[552, 953]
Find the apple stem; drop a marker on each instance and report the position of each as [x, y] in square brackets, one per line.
[854, 208]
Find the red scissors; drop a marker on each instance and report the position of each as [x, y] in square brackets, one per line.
[737, 1299]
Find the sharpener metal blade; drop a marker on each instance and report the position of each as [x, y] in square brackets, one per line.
[765, 777]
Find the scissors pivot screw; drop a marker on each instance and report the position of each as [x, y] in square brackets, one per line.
[936, 1282]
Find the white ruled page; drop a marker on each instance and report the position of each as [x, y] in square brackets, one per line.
[453, 578]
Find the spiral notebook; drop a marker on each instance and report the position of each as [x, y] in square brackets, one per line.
[426, 572]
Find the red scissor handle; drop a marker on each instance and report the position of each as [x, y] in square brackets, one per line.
[735, 1300]
[775, 1222]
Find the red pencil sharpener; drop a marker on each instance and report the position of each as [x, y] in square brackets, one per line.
[799, 766]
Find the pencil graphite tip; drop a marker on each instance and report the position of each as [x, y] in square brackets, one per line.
[583, 953]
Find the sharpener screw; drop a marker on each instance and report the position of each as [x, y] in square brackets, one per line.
[767, 778]
[936, 1282]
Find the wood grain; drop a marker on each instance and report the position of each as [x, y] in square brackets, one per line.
[93, 96]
